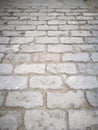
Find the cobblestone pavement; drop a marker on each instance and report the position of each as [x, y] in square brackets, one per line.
[48, 67]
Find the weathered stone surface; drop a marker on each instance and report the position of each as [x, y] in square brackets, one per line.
[10, 120]
[26, 99]
[42, 120]
[92, 97]
[76, 57]
[4, 40]
[1, 56]
[94, 57]
[82, 82]
[6, 68]
[88, 68]
[68, 68]
[65, 100]
[46, 82]
[30, 68]
[80, 119]
[11, 48]
[12, 82]
[46, 57]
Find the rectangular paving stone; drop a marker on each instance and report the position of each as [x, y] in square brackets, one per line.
[65, 100]
[90, 68]
[70, 40]
[33, 48]
[94, 56]
[6, 69]
[80, 33]
[12, 82]
[12, 33]
[65, 68]
[60, 48]
[30, 68]
[25, 27]
[4, 40]
[46, 57]
[82, 82]
[76, 57]
[46, 40]
[58, 33]
[68, 27]
[35, 33]
[21, 40]
[26, 99]
[7, 27]
[46, 82]
[81, 119]
[46, 27]
[92, 97]
[9, 49]
[41, 120]
[10, 120]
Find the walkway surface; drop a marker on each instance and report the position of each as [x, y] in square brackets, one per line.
[48, 65]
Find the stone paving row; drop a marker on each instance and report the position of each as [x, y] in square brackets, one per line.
[48, 68]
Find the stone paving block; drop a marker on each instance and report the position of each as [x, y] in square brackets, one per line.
[80, 33]
[12, 33]
[16, 22]
[67, 68]
[82, 82]
[12, 82]
[81, 119]
[6, 68]
[46, 28]
[88, 68]
[4, 40]
[46, 82]
[10, 120]
[42, 120]
[68, 27]
[94, 57]
[65, 100]
[35, 33]
[25, 27]
[7, 27]
[33, 48]
[26, 99]
[21, 40]
[92, 97]
[60, 48]
[46, 57]
[70, 40]
[30, 68]
[76, 57]
[9, 49]
[58, 33]
[17, 58]
[46, 40]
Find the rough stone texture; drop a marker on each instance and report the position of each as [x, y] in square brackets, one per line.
[12, 82]
[41, 120]
[6, 68]
[30, 68]
[92, 98]
[75, 57]
[46, 82]
[65, 100]
[10, 120]
[68, 68]
[24, 99]
[81, 119]
[82, 82]
[49, 64]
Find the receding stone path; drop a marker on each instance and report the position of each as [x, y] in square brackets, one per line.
[48, 65]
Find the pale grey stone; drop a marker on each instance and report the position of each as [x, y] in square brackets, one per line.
[26, 99]
[46, 82]
[1, 98]
[92, 97]
[45, 120]
[94, 57]
[30, 68]
[68, 68]
[82, 82]
[10, 120]
[6, 68]
[1, 56]
[4, 40]
[9, 49]
[12, 82]
[65, 100]
[81, 119]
